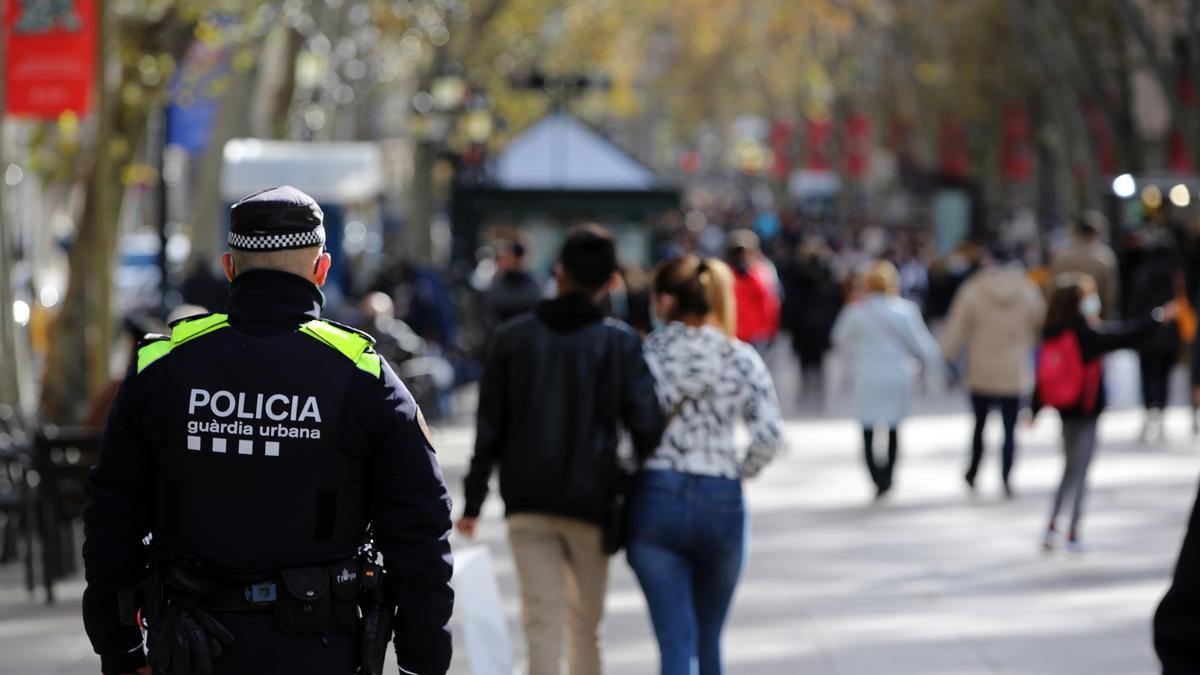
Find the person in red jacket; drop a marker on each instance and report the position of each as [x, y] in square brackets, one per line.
[755, 289]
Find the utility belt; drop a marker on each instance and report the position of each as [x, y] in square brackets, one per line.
[177, 601]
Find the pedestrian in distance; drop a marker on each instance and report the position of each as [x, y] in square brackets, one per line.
[888, 344]
[1070, 378]
[266, 455]
[548, 417]
[1153, 286]
[1086, 253]
[756, 288]
[688, 532]
[996, 318]
[811, 304]
[514, 291]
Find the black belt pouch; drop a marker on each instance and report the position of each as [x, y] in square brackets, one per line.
[304, 604]
[344, 583]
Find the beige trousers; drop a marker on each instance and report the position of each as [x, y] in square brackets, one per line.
[562, 570]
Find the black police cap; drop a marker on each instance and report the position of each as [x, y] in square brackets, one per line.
[276, 219]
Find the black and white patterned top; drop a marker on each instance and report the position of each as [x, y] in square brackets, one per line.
[719, 381]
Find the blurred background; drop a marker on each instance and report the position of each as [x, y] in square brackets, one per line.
[451, 142]
[428, 129]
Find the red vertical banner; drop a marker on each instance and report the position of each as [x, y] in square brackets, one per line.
[955, 158]
[1106, 147]
[780, 141]
[819, 132]
[858, 146]
[1179, 160]
[1016, 151]
[51, 52]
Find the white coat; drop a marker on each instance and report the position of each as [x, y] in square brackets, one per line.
[886, 340]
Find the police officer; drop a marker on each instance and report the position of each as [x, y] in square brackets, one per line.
[248, 459]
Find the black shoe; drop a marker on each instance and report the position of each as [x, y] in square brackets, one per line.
[1008, 491]
[882, 488]
[970, 478]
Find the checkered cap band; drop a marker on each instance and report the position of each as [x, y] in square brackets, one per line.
[277, 242]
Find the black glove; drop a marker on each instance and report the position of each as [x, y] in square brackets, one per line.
[186, 642]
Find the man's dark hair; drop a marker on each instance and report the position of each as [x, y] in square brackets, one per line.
[1003, 253]
[1091, 223]
[589, 257]
[513, 247]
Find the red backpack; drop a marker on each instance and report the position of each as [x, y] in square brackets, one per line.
[1064, 381]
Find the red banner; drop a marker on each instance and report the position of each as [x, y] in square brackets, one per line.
[1105, 144]
[780, 140]
[1018, 156]
[819, 132]
[858, 146]
[51, 51]
[1178, 158]
[955, 157]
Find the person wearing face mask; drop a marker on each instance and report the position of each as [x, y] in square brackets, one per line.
[1075, 307]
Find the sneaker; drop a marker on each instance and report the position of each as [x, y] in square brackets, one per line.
[1049, 541]
[1075, 546]
[970, 479]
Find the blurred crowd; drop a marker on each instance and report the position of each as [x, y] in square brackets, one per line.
[1018, 326]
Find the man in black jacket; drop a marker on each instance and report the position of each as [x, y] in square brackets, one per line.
[252, 450]
[549, 415]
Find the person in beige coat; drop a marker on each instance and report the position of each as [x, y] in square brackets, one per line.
[1087, 253]
[996, 318]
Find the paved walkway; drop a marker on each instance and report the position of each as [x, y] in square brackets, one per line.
[935, 581]
[931, 582]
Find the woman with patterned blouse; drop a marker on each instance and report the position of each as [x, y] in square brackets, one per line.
[688, 533]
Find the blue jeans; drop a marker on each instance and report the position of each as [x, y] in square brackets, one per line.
[687, 546]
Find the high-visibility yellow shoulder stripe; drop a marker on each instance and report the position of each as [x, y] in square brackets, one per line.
[152, 352]
[190, 329]
[352, 345]
[181, 332]
[370, 362]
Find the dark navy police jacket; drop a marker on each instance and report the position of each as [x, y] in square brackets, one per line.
[266, 439]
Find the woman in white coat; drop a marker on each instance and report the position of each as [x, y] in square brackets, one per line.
[888, 342]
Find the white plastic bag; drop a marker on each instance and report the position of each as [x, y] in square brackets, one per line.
[479, 613]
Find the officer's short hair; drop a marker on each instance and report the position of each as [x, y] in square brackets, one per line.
[589, 257]
[296, 260]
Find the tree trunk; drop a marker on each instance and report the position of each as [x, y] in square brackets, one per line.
[80, 338]
[233, 121]
[1165, 73]
[1065, 108]
[421, 204]
[276, 84]
[82, 335]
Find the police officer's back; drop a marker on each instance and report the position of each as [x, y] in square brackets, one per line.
[255, 448]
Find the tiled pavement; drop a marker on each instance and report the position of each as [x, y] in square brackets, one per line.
[931, 582]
